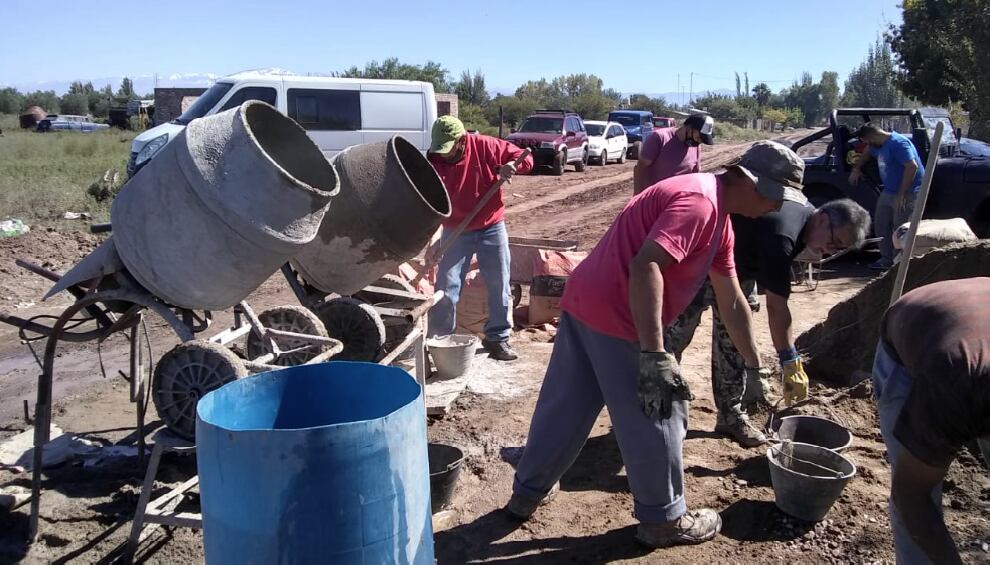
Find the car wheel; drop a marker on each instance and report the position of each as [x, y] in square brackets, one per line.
[583, 163]
[604, 158]
[634, 150]
[622, 157]
[559, 160]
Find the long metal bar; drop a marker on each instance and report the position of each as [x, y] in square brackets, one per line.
[411, 338]
[919, 210]
[313, 339]
[101, 316]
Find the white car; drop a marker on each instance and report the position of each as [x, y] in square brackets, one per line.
[606, 141]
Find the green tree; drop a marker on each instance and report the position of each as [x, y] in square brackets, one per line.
[738, 86]
[11, 101]
[126, 90]
[762, 94]
[46, 99]
[746, 88]
[471, 88]
[74, 103]
[943, 46]
[874, 83]
[391, 68]
[474, 118]
[659, 106]
[830, 92]
[514, 110]
[806, 95]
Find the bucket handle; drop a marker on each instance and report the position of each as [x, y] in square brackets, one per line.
[838, 474]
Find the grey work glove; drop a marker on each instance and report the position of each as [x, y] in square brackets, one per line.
[660, 384]
[757, 387]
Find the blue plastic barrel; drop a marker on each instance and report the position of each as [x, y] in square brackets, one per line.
[315, 464]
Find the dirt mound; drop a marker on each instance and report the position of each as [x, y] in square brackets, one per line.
[846, 341]
[53, 250]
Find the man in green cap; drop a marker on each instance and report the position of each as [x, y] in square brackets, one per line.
[469, 164]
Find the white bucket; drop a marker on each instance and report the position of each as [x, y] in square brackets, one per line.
[452, 354]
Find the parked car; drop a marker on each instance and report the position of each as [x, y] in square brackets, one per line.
[606, 141]
[659, 122]
[961, 182]
[335, 112]
[68, 122]
[638, 125]
[556, 137]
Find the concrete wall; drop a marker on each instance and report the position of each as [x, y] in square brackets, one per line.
[447, 105]
[171, 102]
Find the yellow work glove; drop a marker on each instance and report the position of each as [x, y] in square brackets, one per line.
[795, 381]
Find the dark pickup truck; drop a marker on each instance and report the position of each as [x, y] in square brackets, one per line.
[960, 187]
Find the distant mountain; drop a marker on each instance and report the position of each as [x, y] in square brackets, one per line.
[143, 84]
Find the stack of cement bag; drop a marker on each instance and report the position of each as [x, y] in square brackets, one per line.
[933, 234]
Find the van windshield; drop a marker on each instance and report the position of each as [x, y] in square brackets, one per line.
[625, 119]
[204, 103]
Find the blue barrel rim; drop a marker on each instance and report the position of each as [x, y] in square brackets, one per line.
[270, 374]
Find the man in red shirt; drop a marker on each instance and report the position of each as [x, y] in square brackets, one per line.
[469, 165]
[669, 152]
[609, 349]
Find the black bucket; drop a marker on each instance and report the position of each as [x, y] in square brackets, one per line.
[812, 430]
[445, 466]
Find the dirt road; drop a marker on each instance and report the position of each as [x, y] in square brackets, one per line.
[86, 511]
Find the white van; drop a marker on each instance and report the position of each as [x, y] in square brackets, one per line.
[336, 112]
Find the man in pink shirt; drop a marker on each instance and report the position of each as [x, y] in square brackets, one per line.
[669, 152]
[609, 349]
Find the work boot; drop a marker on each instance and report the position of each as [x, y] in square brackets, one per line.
[742, 431]
[694, 526]
[523, 506]
[499, 350]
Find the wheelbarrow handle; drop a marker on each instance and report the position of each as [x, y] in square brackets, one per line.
[448, 241]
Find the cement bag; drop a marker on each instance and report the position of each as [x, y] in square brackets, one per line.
[933, 234]
[550, 272]
[472, 308]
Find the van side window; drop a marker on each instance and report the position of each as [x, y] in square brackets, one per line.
[263, 93]
[328, 110]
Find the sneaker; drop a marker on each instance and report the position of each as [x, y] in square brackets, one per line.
[499, 350]
[881, 265]
[744, 433]
[695, 526]
[523, 506]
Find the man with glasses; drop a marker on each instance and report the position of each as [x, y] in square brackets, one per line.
[765, 248]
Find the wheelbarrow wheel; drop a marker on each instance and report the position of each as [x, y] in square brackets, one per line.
[357, 325]
[186, 373]
[396, 328]
[290, 319]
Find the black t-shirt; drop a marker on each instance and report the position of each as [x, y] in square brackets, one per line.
[766, 246]
[940, 333]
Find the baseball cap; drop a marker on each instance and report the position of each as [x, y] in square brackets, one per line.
[446, 131]
[776, 170]
[705, 126]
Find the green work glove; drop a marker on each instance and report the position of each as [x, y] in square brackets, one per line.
[757, 387]
[660, 384]
[795, 381]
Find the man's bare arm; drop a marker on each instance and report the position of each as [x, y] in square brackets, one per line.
[646, 294]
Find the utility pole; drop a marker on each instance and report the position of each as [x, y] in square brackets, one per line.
[691, 96]
[679, 101]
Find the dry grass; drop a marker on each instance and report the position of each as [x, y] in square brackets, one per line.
[44, 175]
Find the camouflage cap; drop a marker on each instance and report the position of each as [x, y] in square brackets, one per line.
[776, 170]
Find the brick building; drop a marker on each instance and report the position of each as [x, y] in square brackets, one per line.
[171, 102]
[447, 105]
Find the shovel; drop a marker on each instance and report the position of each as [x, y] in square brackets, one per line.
[449, 240]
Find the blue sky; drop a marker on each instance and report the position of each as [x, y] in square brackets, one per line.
[632, 49]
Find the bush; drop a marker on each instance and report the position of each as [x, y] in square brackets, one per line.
[725, 131]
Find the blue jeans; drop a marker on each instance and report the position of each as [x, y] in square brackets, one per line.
[891, 387]
[491, 244]
[587, 371]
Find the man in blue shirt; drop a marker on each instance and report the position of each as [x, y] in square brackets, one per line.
[901, 171]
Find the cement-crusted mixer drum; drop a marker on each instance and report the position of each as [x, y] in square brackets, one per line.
[391, 202]
[222, 207]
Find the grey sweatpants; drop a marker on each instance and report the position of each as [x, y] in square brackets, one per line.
[589, 370]
[888, 218]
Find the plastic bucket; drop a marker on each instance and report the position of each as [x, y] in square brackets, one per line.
[315, 464]
[232, 198]
[391, 203]
[452, 354]
[813, 430]
[808, 479]
[445, 467]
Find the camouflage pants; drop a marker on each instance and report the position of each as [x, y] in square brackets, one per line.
[728, 366]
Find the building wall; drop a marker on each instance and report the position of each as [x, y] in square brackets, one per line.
[447, 105]
[170, 102]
